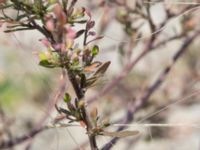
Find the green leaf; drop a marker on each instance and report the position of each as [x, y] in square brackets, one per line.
[42, 56]
[75, 62]
[52, 1]
[47, 64]
[55, 57]
[67, 98]
[95, 50]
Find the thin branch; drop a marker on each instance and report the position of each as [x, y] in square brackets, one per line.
[18, 140]
[166, 41]
[140, 102]
[80, 95]
[125, 71]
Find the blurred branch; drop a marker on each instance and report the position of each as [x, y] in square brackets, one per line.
[18, 140]
[166, 41]
[140, 102]
[127, 68]
[156, 31]
[125, 71]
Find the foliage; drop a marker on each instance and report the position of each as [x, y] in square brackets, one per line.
[57, 20]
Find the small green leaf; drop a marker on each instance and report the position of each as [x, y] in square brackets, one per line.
[67, 98]
[42, 56]
[55, 57]
[52, 1]
[95, 50]
[75, 62]
[47, 64]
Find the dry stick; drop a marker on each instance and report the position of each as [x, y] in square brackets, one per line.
[140, 102]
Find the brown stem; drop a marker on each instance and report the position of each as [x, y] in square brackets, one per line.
[80, 95]
[93, 143]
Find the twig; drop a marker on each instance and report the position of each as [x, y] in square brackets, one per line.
[145, 97]
[15, 141]
[80, 96]
[125, 71]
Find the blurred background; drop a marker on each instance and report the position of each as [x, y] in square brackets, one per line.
[26, 88]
